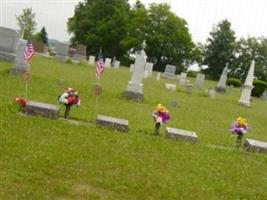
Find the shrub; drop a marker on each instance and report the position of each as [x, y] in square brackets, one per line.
[259, 88]
[192, 74]
[234, 82]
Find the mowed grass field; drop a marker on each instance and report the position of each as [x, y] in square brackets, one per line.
[53, 159]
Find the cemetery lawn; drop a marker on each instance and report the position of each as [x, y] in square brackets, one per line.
[53, 159]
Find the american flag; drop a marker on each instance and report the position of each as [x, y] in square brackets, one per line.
[99, 64]
[28, 51]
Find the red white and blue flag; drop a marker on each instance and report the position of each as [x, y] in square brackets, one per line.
[99, 64]
[28, 51]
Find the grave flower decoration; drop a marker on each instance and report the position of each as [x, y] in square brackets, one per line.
[69, 97]
[161, 114]
[239, 126]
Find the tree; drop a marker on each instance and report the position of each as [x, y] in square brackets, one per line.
[100, 23]
[26, 23]
[168, 39]
[219, 49]
[41, 36]
[246, 50]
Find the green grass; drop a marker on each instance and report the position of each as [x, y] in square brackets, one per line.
[52, 159]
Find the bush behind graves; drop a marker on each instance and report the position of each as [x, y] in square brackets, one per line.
[234, 82]
[259, 87]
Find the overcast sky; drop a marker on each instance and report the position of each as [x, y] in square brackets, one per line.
[248, 17]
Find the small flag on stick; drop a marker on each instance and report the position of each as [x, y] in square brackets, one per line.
[99, 64]
[28, 51]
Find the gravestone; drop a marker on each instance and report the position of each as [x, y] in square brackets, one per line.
[158, 76]
[174, 133]
[117, 64]
[62, 51]
[107, 63]
[41, 109]
[8, 43]
[264, 96]
[170, 86]
[38, 47]
[189, 88]
[149, 68]
[169, 72]
[183, 78]
[91, 60]
[256, 145]
[135, 86]
[114, 123]
[212, 93]
[131, 67]
[222, 82]
[248, 86]
[20, 66]
[80, 53]
[199, 80]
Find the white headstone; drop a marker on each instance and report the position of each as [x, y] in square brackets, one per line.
[212, 93]
[117, 64]
[170, 86]
[199, 80]
[135, 86]
[158, 76]
[20, 65]
[131, 67]
[182, 79]
[149, 68]
[248, 86]
[107, 62]
[91, 60]
[222, 82]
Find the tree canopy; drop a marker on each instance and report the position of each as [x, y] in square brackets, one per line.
[41, 36]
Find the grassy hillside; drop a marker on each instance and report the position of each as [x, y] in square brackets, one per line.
[53, 159]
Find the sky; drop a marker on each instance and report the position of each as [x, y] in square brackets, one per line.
[248, 17]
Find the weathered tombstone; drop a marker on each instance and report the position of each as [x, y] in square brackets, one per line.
[131, 67]
[189, 88]
[8, 43]
[158, 76]
[117, 64]
[170, 86]
[20, 66]
[42, 109]
[107, 63]
[169, 72]
[183, 78]
[174, 133]
[38, 47]
[149, 68]
[256, 145]
[264, 95]
[91, 60]
[222, 82]
[135, 86]
[112, 122]
[80, 53]
[212, 93]
[62, 51]
[199, 80]
[248, 86]
[145, 74]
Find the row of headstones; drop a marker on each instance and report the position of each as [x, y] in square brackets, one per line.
[52, 111]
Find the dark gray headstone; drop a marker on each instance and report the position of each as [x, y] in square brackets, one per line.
[62, 51]
[173, 133]
[169, 72]
[114, 123]
[42, 109]
[8, 43]
[256, 145]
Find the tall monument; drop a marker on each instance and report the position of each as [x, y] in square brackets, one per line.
[222, 82]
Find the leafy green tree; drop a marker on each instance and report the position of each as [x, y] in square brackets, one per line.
[168, 39]
[41, 36]
[100, 23]
[219, 49]
[247, 50]
[26, 23]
